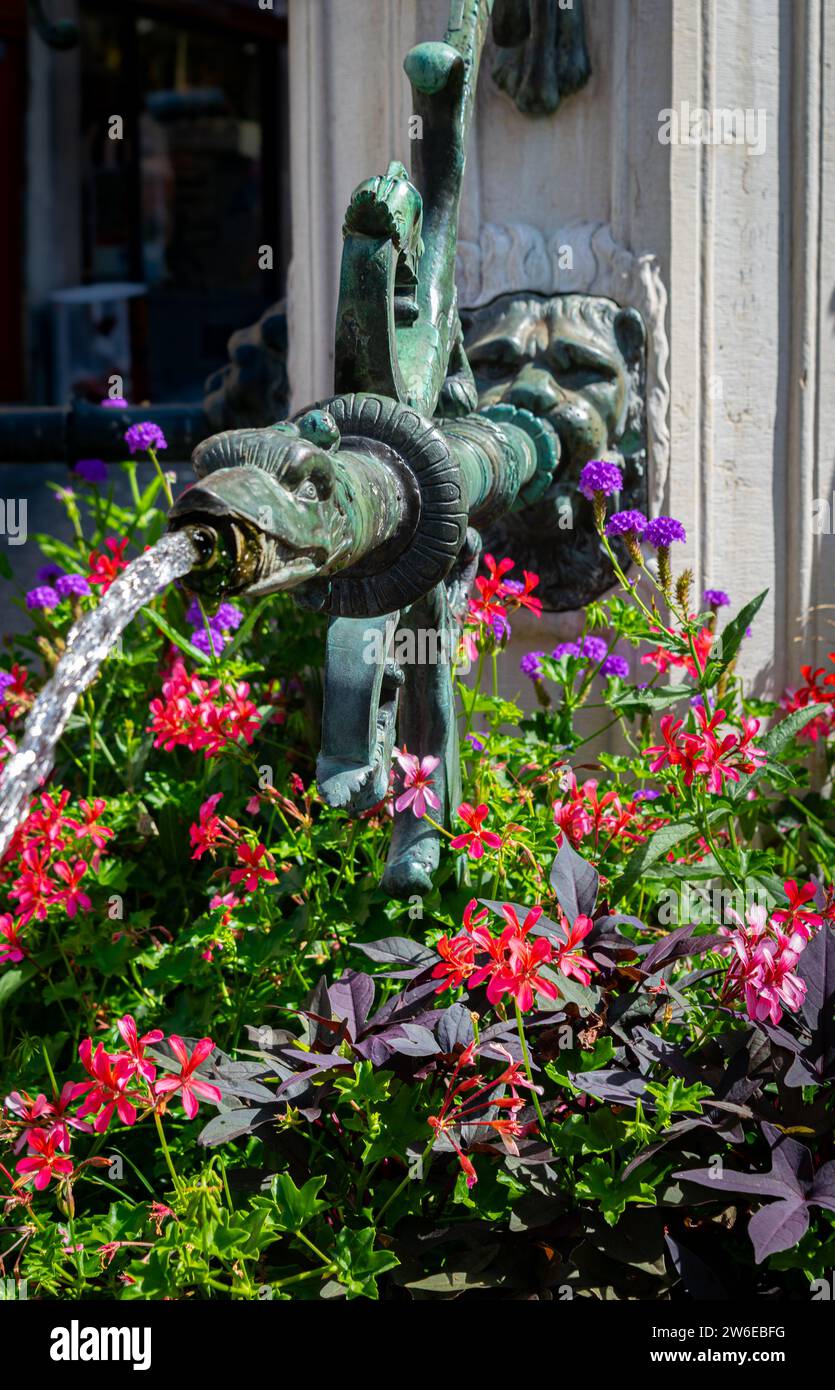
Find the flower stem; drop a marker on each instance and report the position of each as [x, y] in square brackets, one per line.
[424, 1159]
[166, 1151]
[526, 1059]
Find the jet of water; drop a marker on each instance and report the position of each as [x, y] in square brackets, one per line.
[89, 642]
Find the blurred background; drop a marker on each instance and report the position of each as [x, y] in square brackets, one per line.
[151, 157]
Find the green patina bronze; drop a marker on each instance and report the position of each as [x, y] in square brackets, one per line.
[541, 53]
[369, 505]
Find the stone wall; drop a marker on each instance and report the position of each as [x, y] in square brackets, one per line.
[723, 246]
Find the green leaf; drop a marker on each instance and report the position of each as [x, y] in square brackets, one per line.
[657, 845]
[630, 700]
[358, 1264]
[598, 1183]
[727, 644]
[296, 1206]
[778, 738]
[174, 636]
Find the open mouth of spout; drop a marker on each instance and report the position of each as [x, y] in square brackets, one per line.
[236, 558]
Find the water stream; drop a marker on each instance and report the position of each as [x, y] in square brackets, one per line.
[88, 643]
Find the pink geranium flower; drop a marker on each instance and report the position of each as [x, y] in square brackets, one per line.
[108, 1092]
[476, 839]
[190, 1085]
[570, 960]
[417, 778]
[136, 1046]
[11, 948]
[257, 865]
[71, 895]
[44, 1162]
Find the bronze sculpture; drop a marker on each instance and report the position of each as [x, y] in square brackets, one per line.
[369, 506]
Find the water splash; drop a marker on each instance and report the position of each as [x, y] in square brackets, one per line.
[88, 643]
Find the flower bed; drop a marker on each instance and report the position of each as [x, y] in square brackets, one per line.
[595, 1062]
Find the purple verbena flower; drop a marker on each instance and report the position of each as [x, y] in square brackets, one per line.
[600, 476]
[477, 744]
[530, 665]
[647, 794]
[44, 596]
[663, 530]
[210, 643]
[91, 470]
[145, 436]
[615, 665]
[565, 649]
[716, 598]
[228, 618]
[629, 523]
[6, 679]
[500, 626]
[47, 574]
[593, 648]
[67, 584]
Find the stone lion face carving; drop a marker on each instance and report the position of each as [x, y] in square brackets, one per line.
[577, 360]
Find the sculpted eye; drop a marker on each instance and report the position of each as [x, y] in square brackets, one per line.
[306, 491]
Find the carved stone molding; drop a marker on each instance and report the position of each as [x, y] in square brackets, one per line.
[581, 257]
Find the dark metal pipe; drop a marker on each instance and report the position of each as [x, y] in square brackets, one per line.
[56, 434]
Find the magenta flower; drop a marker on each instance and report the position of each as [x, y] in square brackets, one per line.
[185, 1081]
[417, 777]
[115, 403]
[600, 477]
[663, 530]
[145, 436]
[570, 959]
[715, 598]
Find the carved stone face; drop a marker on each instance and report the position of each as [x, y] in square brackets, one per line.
[577, 360]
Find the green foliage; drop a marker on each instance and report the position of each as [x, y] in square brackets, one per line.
[377, 1131]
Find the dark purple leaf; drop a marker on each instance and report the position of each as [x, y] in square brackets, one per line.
[822, 1191]
[730, 1180]
[678, 943]
[403, 1005]
[778, 1226]
[398, 950]
[319, 1007]
[455, 1027]
[412, 1040]
[817, 968]
[351, 998]
[615, 1086]
[575, 882]
[790, 1162]
[231, 1124]
[698, 1279]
